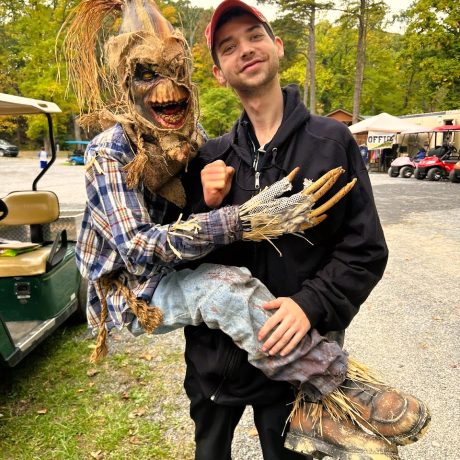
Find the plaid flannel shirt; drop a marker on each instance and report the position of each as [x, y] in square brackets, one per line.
[123, 232]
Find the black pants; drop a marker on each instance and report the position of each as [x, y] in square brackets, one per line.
[215, 425]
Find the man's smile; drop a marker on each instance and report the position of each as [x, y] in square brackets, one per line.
[255, 63]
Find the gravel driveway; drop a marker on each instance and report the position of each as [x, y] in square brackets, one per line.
[408, 329]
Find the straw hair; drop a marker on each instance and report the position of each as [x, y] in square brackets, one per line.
[84, 54]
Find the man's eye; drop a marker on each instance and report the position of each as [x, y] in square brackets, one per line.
[228, 49]
[257, 36]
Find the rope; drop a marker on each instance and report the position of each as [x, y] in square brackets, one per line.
[149, 317]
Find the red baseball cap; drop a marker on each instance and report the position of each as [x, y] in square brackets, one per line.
[225, 6]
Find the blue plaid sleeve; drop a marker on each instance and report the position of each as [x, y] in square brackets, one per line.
[121, 217]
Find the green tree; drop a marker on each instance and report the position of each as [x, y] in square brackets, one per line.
[431, 53]
[290, 31]
[382, 90]
[219, 109]
[304, 12]
[29, 29]
[336, 65]
[364, 15]
[191, 19]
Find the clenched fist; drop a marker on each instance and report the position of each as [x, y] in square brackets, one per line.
[216, 179]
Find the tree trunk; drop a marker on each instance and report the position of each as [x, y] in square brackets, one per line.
[76, 128]
[360, 60]
[312, 59]
[408, 92]
[307, 83]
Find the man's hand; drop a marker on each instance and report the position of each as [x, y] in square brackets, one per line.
[216, 179]
[289, 325]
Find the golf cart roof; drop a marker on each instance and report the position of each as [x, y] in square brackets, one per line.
[76, 142]
[16, 105]
[447, 128]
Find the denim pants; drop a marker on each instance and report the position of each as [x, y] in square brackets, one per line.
[230, 299]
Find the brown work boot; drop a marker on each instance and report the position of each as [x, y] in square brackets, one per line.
[314, 432]
[399, 417]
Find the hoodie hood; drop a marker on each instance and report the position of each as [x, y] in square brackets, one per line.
[295, 114]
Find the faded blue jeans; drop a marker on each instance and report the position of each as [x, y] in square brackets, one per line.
[230, 299]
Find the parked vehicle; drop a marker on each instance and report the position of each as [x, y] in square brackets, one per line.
[441, 160]
[40, 286]
[454, 175]
[7, 149]
[403, 167]
[75, 160]
[77, 156]
[435, 168]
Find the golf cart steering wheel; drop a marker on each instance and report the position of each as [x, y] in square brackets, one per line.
[3, 209]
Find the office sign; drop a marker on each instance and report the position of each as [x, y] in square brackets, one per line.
[379, 140]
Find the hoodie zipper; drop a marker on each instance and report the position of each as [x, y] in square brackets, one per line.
[255, 165]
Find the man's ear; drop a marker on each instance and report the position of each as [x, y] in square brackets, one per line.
[219, 75]
[279, 46]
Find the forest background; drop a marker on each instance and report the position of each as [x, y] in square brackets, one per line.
[352, 63]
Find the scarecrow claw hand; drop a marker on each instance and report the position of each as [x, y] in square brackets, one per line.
[320, 188]
[268, 215]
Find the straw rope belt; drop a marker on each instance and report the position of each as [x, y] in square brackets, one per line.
[149, 316]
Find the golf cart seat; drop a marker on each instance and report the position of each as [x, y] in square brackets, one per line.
[27, 264]
[33, 208]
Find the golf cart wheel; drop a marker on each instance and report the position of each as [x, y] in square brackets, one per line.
[454, 176]
[73, 162]
[406, 172]
[418, 175]
[2, 153]
[434, 174]
[392, 172]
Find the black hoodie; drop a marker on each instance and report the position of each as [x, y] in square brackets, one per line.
[329, 276]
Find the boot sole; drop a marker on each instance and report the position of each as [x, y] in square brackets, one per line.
[319, 449]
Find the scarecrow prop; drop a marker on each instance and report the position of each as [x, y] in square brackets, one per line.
[140, 78]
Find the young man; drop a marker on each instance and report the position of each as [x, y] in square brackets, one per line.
[320, 284]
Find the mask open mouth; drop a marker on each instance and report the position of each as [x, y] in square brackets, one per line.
[170, 114]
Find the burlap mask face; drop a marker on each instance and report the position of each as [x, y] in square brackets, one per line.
[154, 99]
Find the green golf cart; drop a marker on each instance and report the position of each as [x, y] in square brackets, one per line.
[40, 286]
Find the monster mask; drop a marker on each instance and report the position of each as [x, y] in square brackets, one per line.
[146, 75]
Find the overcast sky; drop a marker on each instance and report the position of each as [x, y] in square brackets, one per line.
[270, 11]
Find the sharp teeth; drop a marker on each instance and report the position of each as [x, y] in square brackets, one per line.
[166, 104]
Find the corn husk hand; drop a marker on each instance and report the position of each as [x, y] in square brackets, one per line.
[269, 215]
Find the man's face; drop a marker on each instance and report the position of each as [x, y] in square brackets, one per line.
[158, 99]
[248, 57]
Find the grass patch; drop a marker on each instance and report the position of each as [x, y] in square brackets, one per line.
[55, 405]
